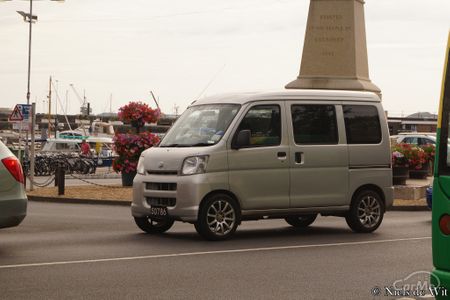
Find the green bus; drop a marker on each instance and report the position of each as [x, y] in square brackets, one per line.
[441, 192]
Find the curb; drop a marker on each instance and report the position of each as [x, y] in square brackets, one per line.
[409, 208]
[79, 201]
[93, 177]
[128, 203]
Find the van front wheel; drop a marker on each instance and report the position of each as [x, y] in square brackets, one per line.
[366, 212]
[218, 217]
[153, 226]
[301, 221]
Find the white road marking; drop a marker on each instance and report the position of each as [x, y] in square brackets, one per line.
[89, 261]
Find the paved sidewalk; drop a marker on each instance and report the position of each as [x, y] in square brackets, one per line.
[91, 193]
[412, 195]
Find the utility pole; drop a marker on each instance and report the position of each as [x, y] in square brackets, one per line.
[56, 111]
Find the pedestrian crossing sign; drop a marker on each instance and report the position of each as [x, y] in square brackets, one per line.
[16, 115]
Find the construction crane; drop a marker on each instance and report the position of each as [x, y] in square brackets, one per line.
[154, 99]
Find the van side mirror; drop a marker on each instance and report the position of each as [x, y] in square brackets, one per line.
[242, 139]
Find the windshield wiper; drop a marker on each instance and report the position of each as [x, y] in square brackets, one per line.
[187, 145]
[200, 144]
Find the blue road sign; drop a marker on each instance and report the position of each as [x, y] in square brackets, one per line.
[26, 111]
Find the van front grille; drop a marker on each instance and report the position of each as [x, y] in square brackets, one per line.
[161, 186]
[162, 172]
[159, 201]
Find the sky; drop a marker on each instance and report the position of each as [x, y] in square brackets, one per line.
[116, 51]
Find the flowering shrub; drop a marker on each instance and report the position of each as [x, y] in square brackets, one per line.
[399, 155]
[430, 151]
[398, 159]
[129, 148]
[412, 155]
[137, 114]
[417, 158]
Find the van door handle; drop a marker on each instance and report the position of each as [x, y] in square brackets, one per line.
[299, 158]
[281, 155]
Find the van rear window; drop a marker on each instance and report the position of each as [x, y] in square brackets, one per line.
[362, 124]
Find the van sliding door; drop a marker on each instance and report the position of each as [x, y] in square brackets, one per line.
[319, 159]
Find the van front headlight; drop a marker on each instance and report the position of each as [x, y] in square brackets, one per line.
[194, 165]
[140, 167]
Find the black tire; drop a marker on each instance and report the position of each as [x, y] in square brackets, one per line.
[226, 217]
[301, 221]
[153, 226]
[366, 212]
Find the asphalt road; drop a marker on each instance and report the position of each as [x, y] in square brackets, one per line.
[72, 251]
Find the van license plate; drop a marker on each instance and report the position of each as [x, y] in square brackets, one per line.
[160, 212]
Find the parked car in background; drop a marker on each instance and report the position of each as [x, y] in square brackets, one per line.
[13, 199]
[415, 138]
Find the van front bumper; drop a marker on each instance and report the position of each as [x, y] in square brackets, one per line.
[12, 212]
[388, 196]
[181, 195]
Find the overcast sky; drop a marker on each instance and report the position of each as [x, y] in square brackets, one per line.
[176, 48]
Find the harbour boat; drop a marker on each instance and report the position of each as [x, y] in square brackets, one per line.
[96, 129]
[101, 147]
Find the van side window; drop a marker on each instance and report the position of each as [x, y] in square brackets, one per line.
[362, 124]
[314, 124]
[264, 123]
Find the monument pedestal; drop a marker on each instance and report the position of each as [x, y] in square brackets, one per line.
[335, 50]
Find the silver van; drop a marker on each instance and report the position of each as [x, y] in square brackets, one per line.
[291, 154]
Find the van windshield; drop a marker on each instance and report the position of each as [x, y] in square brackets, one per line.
[201, 125]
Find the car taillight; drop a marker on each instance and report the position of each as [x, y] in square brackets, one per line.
[12, 164]
[444, 224]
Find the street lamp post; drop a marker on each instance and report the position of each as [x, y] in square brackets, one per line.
[29, 52]
[29, 17]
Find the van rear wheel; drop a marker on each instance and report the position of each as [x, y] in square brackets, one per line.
[366, 212]
[301, 221]
[153, 226]
[218, 217]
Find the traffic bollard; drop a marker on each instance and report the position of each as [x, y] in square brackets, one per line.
[61, 180]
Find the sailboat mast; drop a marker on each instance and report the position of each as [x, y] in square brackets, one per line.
[49, 105]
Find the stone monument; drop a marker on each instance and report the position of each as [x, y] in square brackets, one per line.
[335, 50]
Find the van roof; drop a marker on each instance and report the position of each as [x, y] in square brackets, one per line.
[304, 94]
